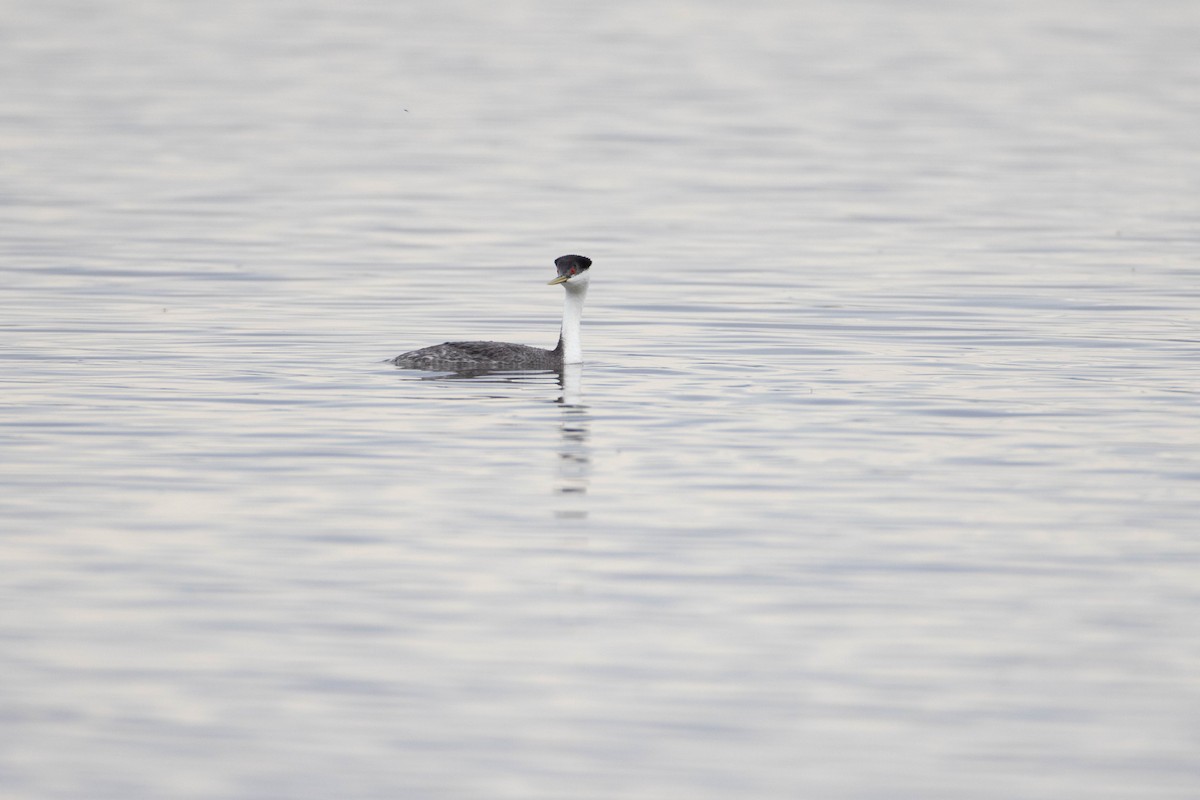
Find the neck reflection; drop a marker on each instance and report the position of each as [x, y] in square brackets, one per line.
[574, 454]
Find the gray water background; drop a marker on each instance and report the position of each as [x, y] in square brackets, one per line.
[882, 477]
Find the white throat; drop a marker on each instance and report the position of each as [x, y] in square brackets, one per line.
[572, 341]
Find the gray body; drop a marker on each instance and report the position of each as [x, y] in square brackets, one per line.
[459, 356]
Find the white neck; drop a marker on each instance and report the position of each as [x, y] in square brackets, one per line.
[572, 342]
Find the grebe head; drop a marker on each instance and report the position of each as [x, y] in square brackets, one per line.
[572, 271]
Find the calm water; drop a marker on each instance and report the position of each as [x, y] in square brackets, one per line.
[882, 478]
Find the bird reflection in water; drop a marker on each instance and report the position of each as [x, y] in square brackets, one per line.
[574, 455]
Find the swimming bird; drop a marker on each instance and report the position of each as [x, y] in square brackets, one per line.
[463, 356]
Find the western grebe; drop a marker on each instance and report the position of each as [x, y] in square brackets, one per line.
[460, 356]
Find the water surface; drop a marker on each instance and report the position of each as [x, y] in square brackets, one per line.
[880, 480]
